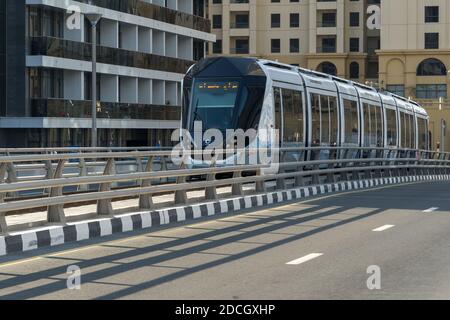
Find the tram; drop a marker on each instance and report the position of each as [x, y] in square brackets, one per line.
[307, 108]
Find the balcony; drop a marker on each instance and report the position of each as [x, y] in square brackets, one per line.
[243, 50]
[239, 25]
[326, 50]
[59, 108]
[60, 48]
[155, 12]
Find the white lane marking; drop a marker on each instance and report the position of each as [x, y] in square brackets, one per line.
[304, 259]
[430, 210]
[383, 228]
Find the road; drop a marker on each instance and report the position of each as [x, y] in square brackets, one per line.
[317, 249]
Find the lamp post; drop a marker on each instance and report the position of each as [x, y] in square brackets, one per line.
[94, 19]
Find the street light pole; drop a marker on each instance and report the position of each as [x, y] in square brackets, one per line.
[94, 19]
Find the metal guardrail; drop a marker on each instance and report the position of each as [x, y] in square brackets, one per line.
[152, 171]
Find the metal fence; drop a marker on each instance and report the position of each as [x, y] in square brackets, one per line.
[55, 178]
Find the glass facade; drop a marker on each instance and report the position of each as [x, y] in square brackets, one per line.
[3, 31]
[63, 93]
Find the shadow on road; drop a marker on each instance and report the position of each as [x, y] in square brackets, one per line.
[241, 231]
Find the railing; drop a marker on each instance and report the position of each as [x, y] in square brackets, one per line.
[156, 12]
[67, 179]
[63, 108]
[61, 48]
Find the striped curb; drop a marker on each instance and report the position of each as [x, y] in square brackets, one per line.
[74, 232]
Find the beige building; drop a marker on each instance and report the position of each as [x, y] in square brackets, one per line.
[329, 36]
[415, 56]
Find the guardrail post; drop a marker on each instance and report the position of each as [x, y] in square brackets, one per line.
[146, 200]
[12, 177]
[344, 174]
[181, 195]
[56, 213]
[104, 207]
[49, 169]
[3, 224]
[211, 192]
[83, 173]
[331, 178]
[315, 177]
[260, 185]
[139, 164]
[3, 170]
[164, 168]
[236, 188]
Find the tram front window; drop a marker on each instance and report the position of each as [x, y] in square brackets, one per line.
[214, 103]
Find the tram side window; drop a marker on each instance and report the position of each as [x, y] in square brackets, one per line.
[333, 120]
[380, 127]
[366, 110]
[278, 115]
[423, 133]
[351, 121]
[403, 125]
[325, 123]
[391, 116]
[373, 126]
[293, 116]
[413, 131]
[406, 131]
[325, 126]
[315, 118]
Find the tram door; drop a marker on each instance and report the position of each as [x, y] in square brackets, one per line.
[290, 123]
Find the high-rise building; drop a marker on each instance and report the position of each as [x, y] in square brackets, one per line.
[325, 35]
[144, 49]
[415, 57]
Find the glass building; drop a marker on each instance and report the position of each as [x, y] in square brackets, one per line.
[144, 49]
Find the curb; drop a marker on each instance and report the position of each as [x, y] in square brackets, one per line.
[85, 230]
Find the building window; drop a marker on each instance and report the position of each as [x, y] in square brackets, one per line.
[242, 46]
[328, 68]
[354, 19]
[354, 70]
[275, 46]
[432, 40]
[431, 14]
[295, 20]
[294, 45]
[217, 47]
[217, 21]
[397, 89]
[431, 67]
[431, 91]
[328, 45]
[354, 44]
[275, 20]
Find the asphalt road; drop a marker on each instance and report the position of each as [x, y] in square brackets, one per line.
[318, 249]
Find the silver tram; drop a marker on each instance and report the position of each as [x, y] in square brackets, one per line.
[309, 108]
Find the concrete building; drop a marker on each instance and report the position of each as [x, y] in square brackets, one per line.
[145, 47]
[415, 57]
[330, 36]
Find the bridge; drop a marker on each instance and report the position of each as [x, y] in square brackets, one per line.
[139, 226]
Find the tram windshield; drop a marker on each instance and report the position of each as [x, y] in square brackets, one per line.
[214, 103]
[227, 103]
